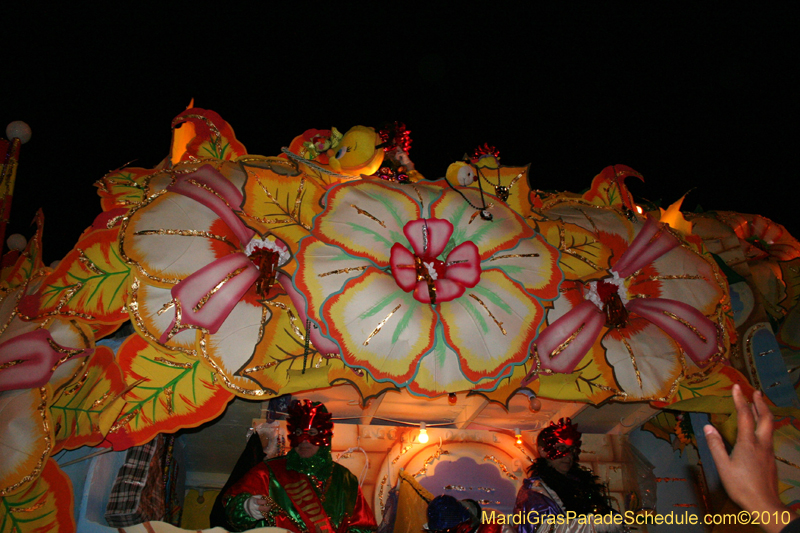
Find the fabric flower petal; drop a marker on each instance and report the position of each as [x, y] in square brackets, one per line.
[563, 343]
[463, 264]
[323, 270]
[652, 242]
[26, 437]
[366, 220]
[645, 362]
[443, 290]
[533, 263]
[695, 333]
[145, 303]
[428, 237]
[172, 236]
[440, 372]
[688, 277]
[380, 327]
[206, 298]
[28, 360]
[504, 230]
[403, 267]
[491, 326]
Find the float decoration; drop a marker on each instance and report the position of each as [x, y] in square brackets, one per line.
[281, 206]
[484, 171]
[660, 299]
[330, 157]
[608, 188]
[257, 276]
[367, 294]
[90, 284]
[127, 187]
[41, 362]
[170, 392]
[46, 505]
[84, 412]
[704, 388]
[26, 438]
[201, 134]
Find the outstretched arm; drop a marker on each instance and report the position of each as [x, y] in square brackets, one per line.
[749, 474]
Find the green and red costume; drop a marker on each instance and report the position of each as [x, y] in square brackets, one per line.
[313, 495]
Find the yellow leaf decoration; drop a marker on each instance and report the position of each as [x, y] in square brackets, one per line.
[82, 413]
[281, 205]
[44, 506]
[608, 187]
[280, 350]
[713, 383]
[203, 134]
[90, 284]
[128, 187]
[583, 256]
[173, 392]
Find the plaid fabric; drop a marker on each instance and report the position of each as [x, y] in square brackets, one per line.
[138, 492]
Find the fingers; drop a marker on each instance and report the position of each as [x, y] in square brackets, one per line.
[764, 419]
[744, 415]
[716, 446]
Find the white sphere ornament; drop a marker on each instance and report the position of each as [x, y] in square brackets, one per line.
[17, 242]
[18, 130]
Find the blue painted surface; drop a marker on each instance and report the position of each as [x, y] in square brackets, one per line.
[671, 495]
[771, 368]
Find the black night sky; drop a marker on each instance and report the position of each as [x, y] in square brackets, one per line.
[700, 96]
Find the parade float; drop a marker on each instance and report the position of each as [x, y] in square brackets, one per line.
[471, 309]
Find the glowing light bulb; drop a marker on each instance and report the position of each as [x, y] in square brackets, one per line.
[423, 433]
[518, 435]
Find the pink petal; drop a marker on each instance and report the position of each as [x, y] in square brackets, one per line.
[218, 306]
[403, 266]
[467, 270]
[446, 290]
[428, 237]
[37, 356]
[322, 344]
[690, 328]
[651, 243]
[585, 322]
[210, 188]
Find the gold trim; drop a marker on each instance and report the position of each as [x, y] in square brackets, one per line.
[381, 324]
[499, 324]
[368, 215]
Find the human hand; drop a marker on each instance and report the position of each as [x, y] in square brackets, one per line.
[258, 506]
[749, 474]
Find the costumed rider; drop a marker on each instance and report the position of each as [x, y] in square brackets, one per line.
[557, 484]
[304, 490]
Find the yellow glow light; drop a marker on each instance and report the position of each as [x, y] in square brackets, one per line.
[423, 433]
[674, 218]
